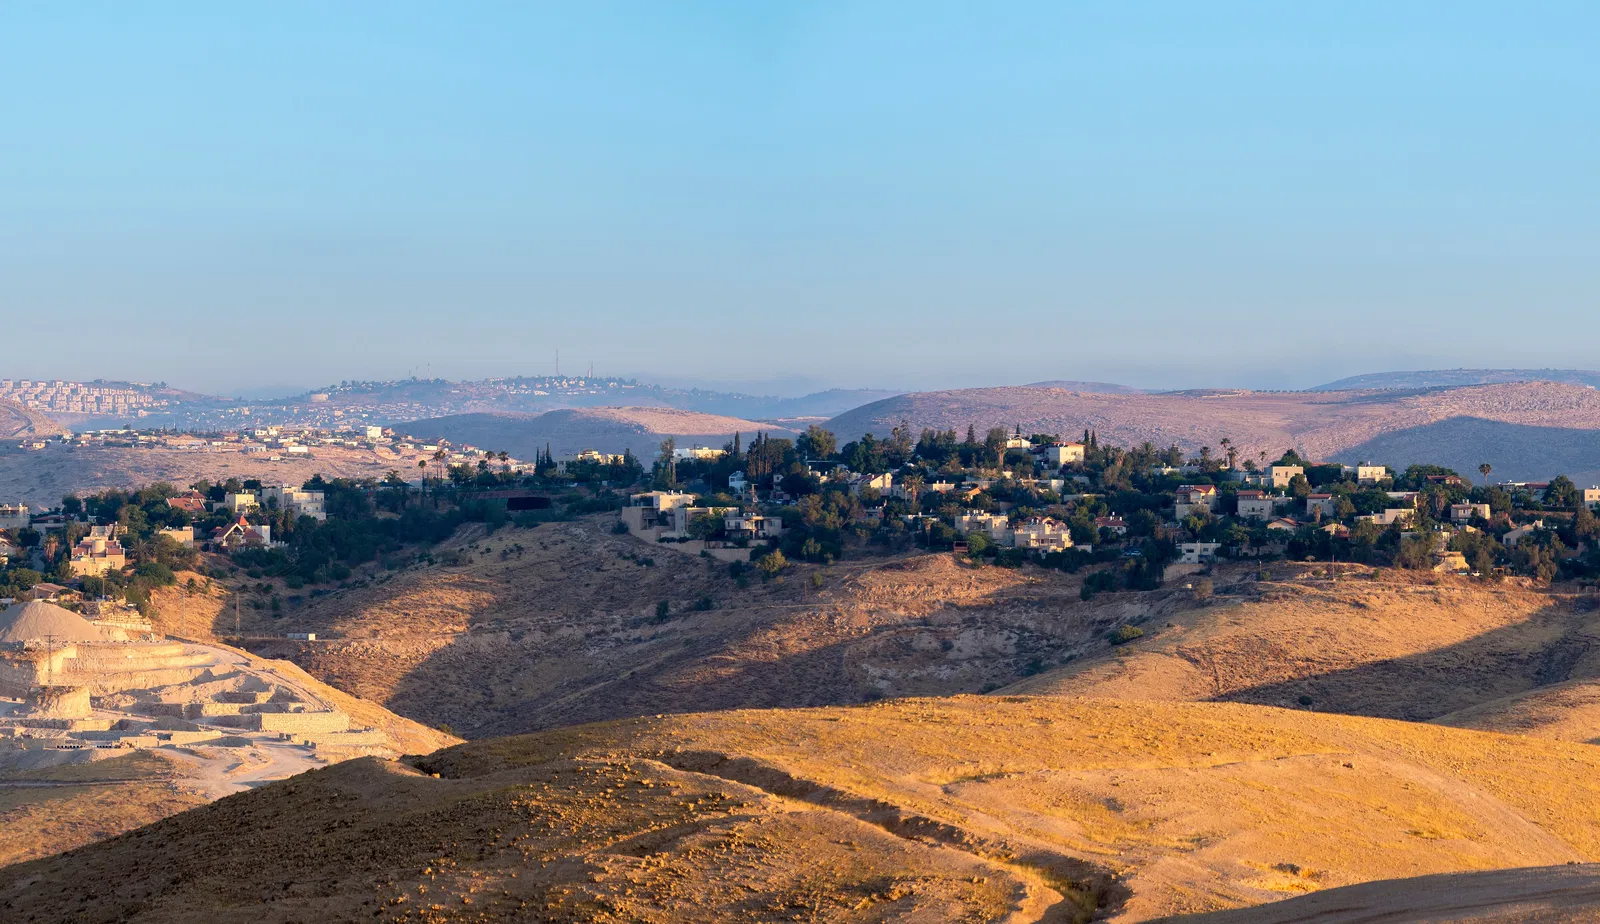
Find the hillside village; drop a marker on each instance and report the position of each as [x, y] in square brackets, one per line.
[1132, 517]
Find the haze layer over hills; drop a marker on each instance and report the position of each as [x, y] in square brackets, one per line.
[607, 429]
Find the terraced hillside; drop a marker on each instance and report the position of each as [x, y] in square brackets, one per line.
[972, 808]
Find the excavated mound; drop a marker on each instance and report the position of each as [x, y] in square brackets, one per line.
[37, 621]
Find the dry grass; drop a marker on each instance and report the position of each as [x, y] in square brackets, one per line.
[958, 809]
[39, 821]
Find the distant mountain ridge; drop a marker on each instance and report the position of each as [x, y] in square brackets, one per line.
[1455, 378]
[571, 430]
[1093, 388]
[1527, 431]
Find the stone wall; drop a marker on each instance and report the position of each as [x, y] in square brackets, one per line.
[299, 723]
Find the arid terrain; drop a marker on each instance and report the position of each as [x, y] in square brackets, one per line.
[972, 808]
[16, 420]
[560, 624]
[532, 629]
[60, 799]
[607, 429]
[40, 478]
[1441, 649]
[1282, 735]
[1526, 431]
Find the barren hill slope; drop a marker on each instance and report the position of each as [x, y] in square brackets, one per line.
[968, 809]
[1525, 430]
[559, 624]
[1501, 657]
[41, 478]
[17, 420]
[608, 429]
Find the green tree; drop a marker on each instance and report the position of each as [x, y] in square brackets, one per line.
[667, 465]
[817, 443]
[1561, 492]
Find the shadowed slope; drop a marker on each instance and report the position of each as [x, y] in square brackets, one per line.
[1538, 895]
[559, 625]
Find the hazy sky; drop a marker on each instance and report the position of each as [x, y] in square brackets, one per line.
[237, 195]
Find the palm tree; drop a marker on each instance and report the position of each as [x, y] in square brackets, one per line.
[913, 485]
[1484, 470]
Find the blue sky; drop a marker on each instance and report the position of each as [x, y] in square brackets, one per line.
[920, 194]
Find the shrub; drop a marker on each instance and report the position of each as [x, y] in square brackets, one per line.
[771, 563]
[663, 610]
[703, 604]
[1203, 589]
[621, 529]
[1124, 634]
[1306, 700]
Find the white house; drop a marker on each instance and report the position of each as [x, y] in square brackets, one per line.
[1061, 454]
[1259, 505]
[1192, 497]
[1042, 533]
[1322, 504]
[881, 483]
[14, 516]
[1367, 473]
[1391, 516]
[1194, 553]
[1462, 513]
[994, 524]
[240, 502]
[1281, 475]
[300, 502]
[1520, 533]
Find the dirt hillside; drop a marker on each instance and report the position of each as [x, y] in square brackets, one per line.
[40, 478]
[17, 420]
[559, 625]
[1500, 657]
[972, 808]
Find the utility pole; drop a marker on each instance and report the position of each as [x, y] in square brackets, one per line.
[236, 634]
